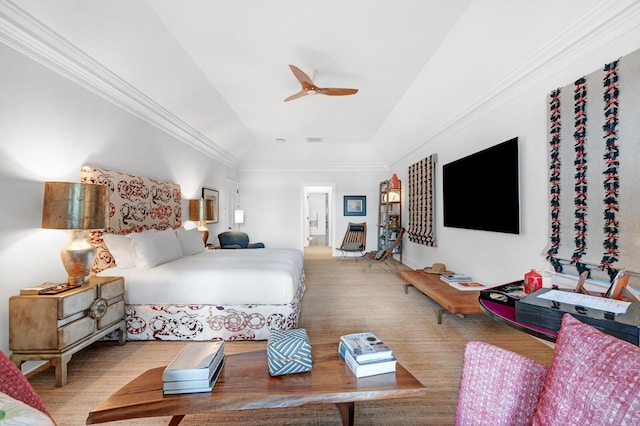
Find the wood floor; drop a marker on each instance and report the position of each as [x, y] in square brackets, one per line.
[340, 298]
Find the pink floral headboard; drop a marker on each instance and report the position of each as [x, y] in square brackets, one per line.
[136, 204]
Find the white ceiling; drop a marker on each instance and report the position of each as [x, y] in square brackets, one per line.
[221, 66]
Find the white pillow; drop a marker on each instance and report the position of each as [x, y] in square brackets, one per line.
[190, 241]
[120, 248]
[18, 413]
[155, 248]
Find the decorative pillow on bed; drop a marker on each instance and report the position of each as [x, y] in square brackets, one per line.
[14, 412]
[190, 241]
[155, 248]
[120, 248]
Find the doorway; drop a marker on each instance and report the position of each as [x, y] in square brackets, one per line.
[317, 223]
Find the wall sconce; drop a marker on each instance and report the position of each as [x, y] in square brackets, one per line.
[78, 207]
[202, 211]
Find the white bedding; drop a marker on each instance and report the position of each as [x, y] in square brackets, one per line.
[216, 277]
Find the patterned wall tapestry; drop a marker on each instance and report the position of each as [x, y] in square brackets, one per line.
[594, 178]
[421, 197]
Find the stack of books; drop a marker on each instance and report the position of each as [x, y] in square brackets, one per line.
[195, 369]
[462, 282]
[455, 278]
[366, 355]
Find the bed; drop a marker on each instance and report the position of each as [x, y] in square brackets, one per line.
[188, 293]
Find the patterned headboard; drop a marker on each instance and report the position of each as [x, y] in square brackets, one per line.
[135, 204]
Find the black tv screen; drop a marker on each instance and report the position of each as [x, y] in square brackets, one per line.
[481, 191]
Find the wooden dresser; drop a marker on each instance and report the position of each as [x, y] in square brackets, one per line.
[54, 327]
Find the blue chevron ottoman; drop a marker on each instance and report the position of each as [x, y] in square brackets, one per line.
[288, 352]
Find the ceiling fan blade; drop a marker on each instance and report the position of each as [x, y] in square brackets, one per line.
[332, 91]
[296, 95]
[301, 76]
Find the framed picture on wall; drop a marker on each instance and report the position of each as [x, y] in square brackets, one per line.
[212, 194]
[355, 205]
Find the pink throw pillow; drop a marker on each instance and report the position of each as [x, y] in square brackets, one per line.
[498, 387]
[594, 379]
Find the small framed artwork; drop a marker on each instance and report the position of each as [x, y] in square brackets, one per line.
[212, 194]
[355, 205]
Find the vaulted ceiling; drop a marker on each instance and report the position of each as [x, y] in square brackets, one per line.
[221, 68]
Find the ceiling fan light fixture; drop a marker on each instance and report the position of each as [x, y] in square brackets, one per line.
[308, 88]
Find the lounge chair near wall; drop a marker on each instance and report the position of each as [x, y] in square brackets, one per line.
[354, 241]
[384, 257]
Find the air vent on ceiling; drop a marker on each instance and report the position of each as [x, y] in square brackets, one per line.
[314, 140]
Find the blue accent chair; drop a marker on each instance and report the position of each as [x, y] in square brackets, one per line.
[236, 240]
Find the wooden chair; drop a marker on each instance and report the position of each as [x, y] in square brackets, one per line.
[354, 241]
[384, 257]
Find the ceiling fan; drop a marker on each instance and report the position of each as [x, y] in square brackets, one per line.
[308, 88]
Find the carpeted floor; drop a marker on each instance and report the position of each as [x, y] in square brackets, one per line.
[341, 298]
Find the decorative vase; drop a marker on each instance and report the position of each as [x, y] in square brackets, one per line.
[394, 183]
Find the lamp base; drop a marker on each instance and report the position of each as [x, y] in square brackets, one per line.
[204, 231]
[77, 257]
[205, 236]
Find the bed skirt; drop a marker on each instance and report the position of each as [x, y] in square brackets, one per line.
[211, 322]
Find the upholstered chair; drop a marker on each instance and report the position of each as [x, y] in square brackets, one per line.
[592, 380]
[236, 240]
[19, 402]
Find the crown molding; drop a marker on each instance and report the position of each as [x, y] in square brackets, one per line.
[315, 168]
[33, 39]
[605, 23]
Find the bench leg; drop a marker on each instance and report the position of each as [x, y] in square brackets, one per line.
[440, 312]
[406, 288]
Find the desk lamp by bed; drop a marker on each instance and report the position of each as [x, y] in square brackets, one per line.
[78, 207]
[202, 211]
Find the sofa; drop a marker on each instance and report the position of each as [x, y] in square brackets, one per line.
[236, 240]
[593, 379]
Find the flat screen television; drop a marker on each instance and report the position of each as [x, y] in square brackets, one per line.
[481, 191]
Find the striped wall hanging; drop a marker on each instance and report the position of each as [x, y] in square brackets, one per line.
[594, 176]
[421, 228]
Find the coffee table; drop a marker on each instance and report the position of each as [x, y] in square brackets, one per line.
[245, 384]
[450, 299]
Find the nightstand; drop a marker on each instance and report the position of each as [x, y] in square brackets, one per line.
[54, 327]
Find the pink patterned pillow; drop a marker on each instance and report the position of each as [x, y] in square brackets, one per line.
[593, 379]
[497, 387]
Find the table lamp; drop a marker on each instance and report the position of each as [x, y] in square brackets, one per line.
[238, 217]
[78, 207]
[202, 211]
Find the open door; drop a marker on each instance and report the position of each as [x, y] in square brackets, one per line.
[317, 202]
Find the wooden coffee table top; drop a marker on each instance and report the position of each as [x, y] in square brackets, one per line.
[245, 383]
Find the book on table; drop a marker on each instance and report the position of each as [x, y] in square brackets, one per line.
[468, 286]
[455, 278]
[369, 368]
[196, 361]
[364, 347]
[194, 386]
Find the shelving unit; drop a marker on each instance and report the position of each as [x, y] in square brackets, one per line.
[390, 216]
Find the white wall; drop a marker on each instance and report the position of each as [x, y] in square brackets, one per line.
[495, 258]
[50, 127]
[273, 202]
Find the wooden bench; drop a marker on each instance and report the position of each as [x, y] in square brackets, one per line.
[450, 299]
